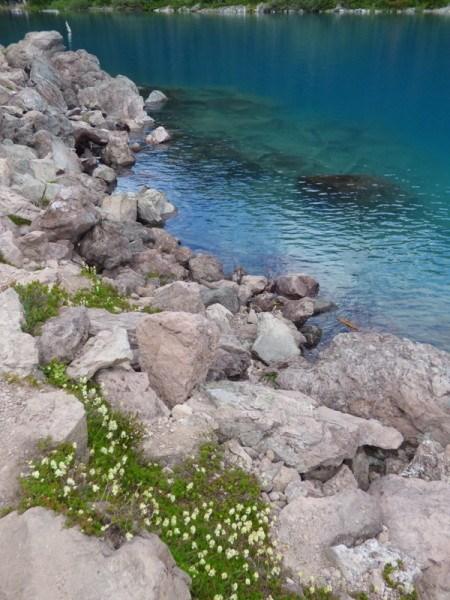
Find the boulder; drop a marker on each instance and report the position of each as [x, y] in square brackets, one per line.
[298, 311]
[106, 174]
[27, 416]
[12, 203]
[67, 219]
[105, 246]
[364, 568]
[312, 335]
[9, 250]
[157, 264]
[34, 44]
[63, 336]
[120, 207]
[231, 361]
[431, 462]
[221, 316]
[126, 281]
[417, 518]
[153, 207]
[179, 296]
[72, 565]
[251, 285]
[204, 267]
[276, 341]
[117, 152]
[176, 350]
[155, 99]
[118, 98]
[160, 135]
[108, 348]
[292, 426]
[222, 292]
[402, 383]
[130, 392]
[296, 286]
[308, 527]
[18, 350]
[163, 241]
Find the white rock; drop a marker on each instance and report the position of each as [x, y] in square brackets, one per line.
[155, 98]
[120, 207]
[275, 342]
[108, 348]
[160, 135]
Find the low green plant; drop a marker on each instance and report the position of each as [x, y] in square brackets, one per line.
[19, 220]
[40, 302]
[209, 514]
[270, 377]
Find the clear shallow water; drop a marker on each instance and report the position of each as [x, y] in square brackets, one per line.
[256, 104]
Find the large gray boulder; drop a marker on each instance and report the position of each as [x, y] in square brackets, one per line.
[63, 336]
[120, 207]
[109, 348]
[67, 219]
[299, 432]
[416, 514]
[105, 246]
[154, 263]
[44, 559]
[27, 416]
[176, 349]
[117, 152]
[222, 292]
[119, 98]
[232, 360]
[307, 528]
[153, 207]
[179, 296]
[277, 341]
[18, 350]
[296, 286]
[399, 382]
[13, 203]
[35, 44]
[205, 267]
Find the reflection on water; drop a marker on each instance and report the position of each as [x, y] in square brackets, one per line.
[268, 115]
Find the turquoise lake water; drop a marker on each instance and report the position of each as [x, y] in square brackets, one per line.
[259, 105]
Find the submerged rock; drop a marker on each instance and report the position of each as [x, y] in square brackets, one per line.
[353, 187]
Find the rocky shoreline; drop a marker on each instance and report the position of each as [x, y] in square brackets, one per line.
[351, 450]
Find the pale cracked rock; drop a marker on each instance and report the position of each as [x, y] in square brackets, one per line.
[276, 341]
[45, 560]
[171, 440]
[402, 383]
[176, 350]
[298, 431]
[27, 416]
[18, 350]
[109, 348]
[363, 569]
[160, 135]
[416, 514]
[153, 207]
[308, 527]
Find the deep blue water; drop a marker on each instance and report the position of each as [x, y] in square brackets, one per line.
[259, 102]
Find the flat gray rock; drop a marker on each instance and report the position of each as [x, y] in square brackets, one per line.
[44, 560]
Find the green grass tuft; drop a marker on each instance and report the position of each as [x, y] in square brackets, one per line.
[19, 220]
[40, 302]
